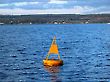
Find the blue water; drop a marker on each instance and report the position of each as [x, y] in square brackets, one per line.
[84, 48]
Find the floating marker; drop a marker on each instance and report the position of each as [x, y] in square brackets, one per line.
[53, 50]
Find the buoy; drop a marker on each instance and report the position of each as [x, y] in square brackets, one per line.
[53, 50]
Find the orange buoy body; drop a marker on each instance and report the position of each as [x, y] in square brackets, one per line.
[53, 50]
[52, 62]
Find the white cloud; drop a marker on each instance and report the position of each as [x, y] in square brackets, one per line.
[3, 5]
[57, 2]
[25, 3]
[83, 9]
[19, 4]
[74, 10]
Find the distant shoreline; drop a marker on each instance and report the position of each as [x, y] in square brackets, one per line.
[55, 19]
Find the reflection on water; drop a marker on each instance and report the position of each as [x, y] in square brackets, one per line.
[53, 71]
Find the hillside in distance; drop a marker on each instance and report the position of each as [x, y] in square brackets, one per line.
[55, 19]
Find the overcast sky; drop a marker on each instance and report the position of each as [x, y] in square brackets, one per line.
[24, 7]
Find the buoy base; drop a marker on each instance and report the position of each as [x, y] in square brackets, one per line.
[52, 62]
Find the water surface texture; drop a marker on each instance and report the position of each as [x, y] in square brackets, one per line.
[84, 48]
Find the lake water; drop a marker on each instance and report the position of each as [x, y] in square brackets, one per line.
[84, 48]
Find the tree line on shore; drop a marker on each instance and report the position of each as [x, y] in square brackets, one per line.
[55, 19]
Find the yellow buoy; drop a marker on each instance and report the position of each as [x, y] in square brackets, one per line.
[53, 50]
